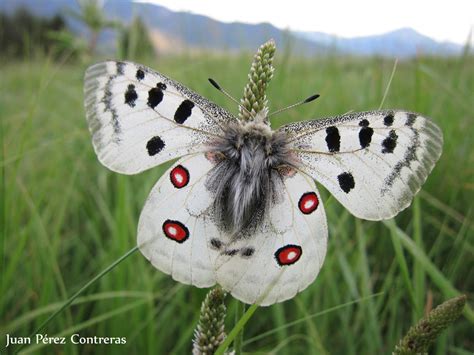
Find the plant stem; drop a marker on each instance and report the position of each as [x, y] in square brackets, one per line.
[239, 339]
[237, 328]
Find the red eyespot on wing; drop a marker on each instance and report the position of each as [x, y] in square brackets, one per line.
[179, 176]
[175, 230]
[308, 202]
[289, 254]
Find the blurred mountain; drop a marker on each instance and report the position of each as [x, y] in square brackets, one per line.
[404, 42]
[175, 31]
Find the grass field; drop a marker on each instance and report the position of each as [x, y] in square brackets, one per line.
[66, 217]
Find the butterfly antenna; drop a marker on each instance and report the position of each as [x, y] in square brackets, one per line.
[218, 87]
[309, 99]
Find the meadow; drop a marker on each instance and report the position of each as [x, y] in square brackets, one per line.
[66, 217]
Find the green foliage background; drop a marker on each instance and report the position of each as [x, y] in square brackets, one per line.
[66, 217]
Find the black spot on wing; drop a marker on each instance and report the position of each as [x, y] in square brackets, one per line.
[389, 143]
[333, 139]
[216, 243]
[155, 95]
[120, 68]
[140, 74]
[364, 123]
[346, 182]
[231, 252]
[247, 252]
[131, 95]
[388, 120]
[411, 119]
[155, 145]
[365, 136]
[184, 111]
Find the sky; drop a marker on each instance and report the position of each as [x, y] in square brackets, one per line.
[442, 20]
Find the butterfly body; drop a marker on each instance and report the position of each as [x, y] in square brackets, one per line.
[240, 206]
[246, 177]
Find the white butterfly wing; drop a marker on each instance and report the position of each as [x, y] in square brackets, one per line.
[178, 235]
[139, 118]
[175, 227]
[372, 162]
[285, 254]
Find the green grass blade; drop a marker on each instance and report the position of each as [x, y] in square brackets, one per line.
[88, 323]
[80, 291]
[237, 329]
[402, 263]
[392, 74]
[312, 316]
[30, 316]
[419, 284]
[372, 330]
[444, 285]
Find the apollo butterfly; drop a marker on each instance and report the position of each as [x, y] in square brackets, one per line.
[240, 207]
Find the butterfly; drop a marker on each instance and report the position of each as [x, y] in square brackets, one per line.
[240, 206]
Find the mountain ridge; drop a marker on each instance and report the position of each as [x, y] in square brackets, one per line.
[390, 43]
[195, 31]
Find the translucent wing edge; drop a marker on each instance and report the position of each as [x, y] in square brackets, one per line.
[91, 106]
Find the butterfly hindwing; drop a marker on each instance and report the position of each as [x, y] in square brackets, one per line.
[175, 228]
[179, 235]
[139, 118]
[372, 162]
[284, 255]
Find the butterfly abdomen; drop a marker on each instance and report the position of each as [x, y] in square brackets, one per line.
[246, 177]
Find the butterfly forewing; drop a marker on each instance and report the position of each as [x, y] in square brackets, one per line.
[372, 162]
[139, 118]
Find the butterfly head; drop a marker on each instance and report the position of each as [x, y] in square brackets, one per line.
[259, 119]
